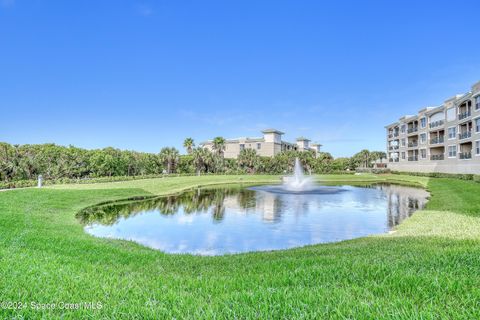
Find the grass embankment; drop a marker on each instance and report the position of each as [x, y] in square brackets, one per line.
[429, 268]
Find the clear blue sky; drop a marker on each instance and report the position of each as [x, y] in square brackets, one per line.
[146, 74]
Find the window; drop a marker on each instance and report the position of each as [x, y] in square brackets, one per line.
[423, 138]
[477, 147]
[423, 153]
[423, 122]
[452, 151]
[404, 128]
[403, 155]
[477, 102]
[259, 146]
[477, 125]
[242, 147]
[451, 114]
[452, 132]
[403, 142]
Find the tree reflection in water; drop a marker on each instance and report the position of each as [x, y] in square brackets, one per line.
[237, 219]
[401, 203]
[194, 201]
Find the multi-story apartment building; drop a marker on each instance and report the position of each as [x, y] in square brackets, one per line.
[438, 139]
[267, 146]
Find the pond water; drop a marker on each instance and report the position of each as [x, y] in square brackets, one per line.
[237, 219]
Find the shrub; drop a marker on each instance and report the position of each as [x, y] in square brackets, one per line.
[372, 170]
[461, 176]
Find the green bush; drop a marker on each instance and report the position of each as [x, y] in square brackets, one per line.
[461, 176]
[20, 165]
[372, 170]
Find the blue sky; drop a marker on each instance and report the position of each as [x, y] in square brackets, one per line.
[146, 74]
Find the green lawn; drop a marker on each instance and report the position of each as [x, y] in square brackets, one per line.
[429, 268]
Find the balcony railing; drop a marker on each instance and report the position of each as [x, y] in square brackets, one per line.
[413, 144]
[412, 130]
[465, 135]
[464, 115]
[465, 155]
[437, 124]
[393, 160]
[393, 148]
[436, 157]
[414, 158]
[439, 139]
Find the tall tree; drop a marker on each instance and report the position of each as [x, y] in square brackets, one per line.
[219, 144]
[202, 159]
[323, 162]
[189, 144]
[363, 158]
[248, 159]
[169, 157]
[378, 155]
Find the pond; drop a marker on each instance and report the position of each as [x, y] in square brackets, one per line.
[238, 219]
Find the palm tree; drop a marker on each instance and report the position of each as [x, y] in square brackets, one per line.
[169, 157]
[219, 145]
[201, 159]
[189, 144]
[307, 159]
[363, 157]
[378, 155]
[249, 160]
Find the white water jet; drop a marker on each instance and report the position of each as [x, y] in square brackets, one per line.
[298, 182]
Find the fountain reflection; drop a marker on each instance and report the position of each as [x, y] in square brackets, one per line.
[236, 219]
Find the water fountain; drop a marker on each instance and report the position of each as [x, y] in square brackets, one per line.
[298, 182]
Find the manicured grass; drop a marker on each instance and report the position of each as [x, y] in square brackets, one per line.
[429, 268]
[173, 184]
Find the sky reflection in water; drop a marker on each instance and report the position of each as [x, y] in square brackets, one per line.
[232, 220]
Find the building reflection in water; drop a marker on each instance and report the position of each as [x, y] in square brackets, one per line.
[402, 202]
[236, 219]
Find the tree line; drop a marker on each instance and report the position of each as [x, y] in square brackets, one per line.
[26, 162]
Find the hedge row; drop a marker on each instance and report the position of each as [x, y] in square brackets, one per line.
[33, 183]
[372, 170]
[461, 176]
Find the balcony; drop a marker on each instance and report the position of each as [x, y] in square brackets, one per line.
[393, 160]
[465, 155]
[464, 115]
[437, 140]
[437, 124]
[436, 157]
[414, 158]
[413, 144]
[412, 130]
[393, 148]
[393, 135]
[465, 135]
